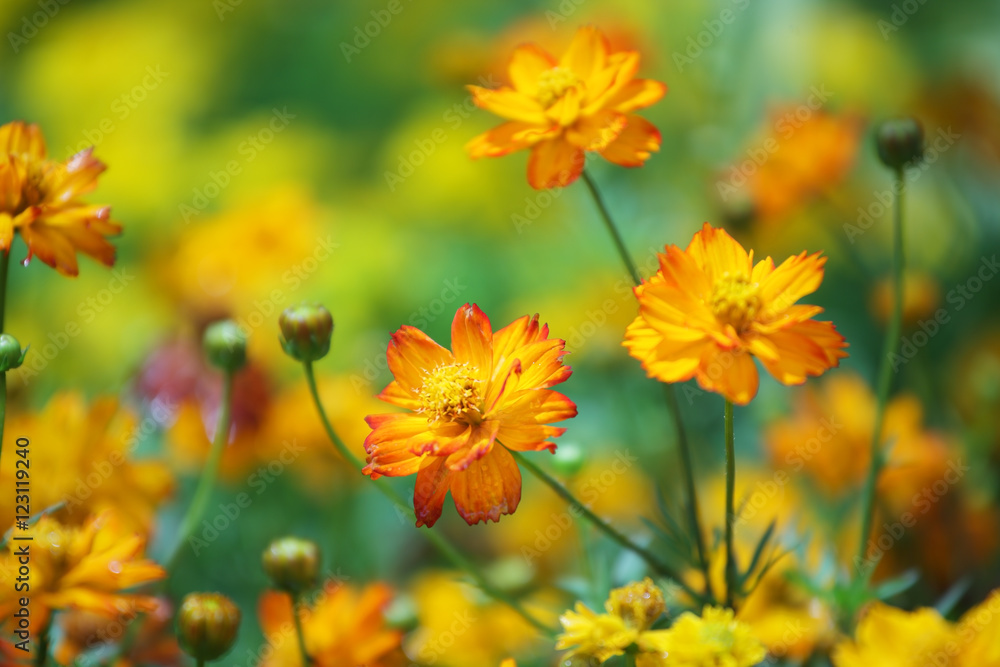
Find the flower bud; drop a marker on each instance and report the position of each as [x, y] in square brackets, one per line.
[225, 345]
[207, 625]
[639, 604]
[11, 354]
[899, 141]
[305, 331]
[568, 459]
[292, 564]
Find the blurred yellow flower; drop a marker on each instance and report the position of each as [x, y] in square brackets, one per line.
[715, 638]
[560, 109]
[342, 627]
[631, 611]
[979, 634]
[41, 199]
[921, 296]
[890, 636]
[86, 568]
[91, 469]
[709, 310]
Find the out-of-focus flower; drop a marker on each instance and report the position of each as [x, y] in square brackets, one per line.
[90, 469]
[979, 634]
[631, 611]
[709, 310]
[459, 626]
[714, 638]
[41, 199]
[890, 636]
[152, 644]
[86, 568]
[341, 626]
[921, 296]
[799, 160]
[468, 407]
[560, 109]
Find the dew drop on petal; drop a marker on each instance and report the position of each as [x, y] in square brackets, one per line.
[115, 567]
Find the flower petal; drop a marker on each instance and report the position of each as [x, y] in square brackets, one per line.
[526, 66]
[634, 144]
[595, 132]
[804, 349]
[554, 163]
[507, 138]
[488, 489]
[472, 340]
[411, 355]
[587, 53]
[508, 103]
[731, 373]
[636, 94]
[433, 481]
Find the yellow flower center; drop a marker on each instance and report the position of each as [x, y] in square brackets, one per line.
[553, 84]
[735, 300]
[450, 394]
[717, 634]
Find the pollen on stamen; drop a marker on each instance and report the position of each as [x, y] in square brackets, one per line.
[450, 394]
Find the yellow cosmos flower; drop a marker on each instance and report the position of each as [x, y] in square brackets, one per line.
[890, 636]
[342, 627]
[559, 109]
[631, 611]
[41, 199]
[715, 638]
[979, 634]
[468, 407]
[709, 310]
[84, 568]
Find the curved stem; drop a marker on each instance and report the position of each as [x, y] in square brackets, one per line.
[445, 547]
[863, 569]
[730, 512]
[683, 447]
[203, 492]
[306, 659]
[658, 565]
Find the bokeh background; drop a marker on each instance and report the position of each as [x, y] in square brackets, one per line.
[263, 153]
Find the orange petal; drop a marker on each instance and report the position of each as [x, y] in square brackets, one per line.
[489, 489]
[731, 373]
[481, 441]
[595, 132]
[412, 354]
[508, 103]
[804, 349]
[20, 138]
[634, 145]
[507, 138]
[395, 394]
[587, 53]
[433, 481]
[389, 445]
[472, 340]
[52, 248]
[526, 66]
[718, 253]
[793, 279]
[636, 94]
[554, 163]
[6, 231]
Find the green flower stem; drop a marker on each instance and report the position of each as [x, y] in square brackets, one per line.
[43, 645]
[203, 492]
[658, 565]
[306, 659]
[730, 512]
[446, 548]
[892, 338]
[629, 659]
[694, 516]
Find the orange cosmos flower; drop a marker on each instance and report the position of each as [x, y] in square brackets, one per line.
[40, 198]
[709, 310]
[468, 407]
[562, 108]
[85, 568]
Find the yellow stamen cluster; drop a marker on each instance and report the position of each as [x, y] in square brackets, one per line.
[553, 84]
[450, 394]
[735, 300]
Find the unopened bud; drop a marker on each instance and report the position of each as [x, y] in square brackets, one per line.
[306, 330]
[225, 345]
[900, 142]
[207, 624]
[292, 564]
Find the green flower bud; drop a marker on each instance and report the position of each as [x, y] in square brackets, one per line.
[292, 564]
[225, 345]
[899, 141]
[569, 459]
[11, 354]
[306, 330]
[207, 624]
